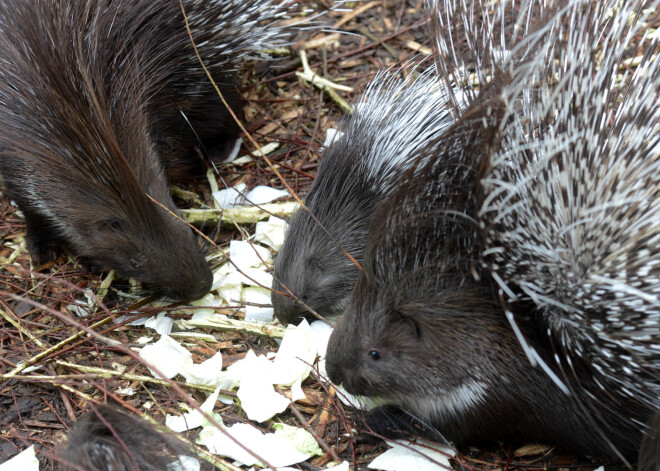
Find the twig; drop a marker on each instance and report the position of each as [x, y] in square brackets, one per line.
[218, 322]
[327, 86]
[320, 440]
[104, 373]
[54, 348]
[356, 12]
[22, 329]
[240, 215]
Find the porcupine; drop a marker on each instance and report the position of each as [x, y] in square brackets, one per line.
[417, 268]
[97, 99]
[431, 342]
[571, 214]
[108, 439]
[357, 170]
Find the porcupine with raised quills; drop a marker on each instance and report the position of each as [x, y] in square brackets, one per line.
[418, 289]
[98, 100]
[357, 170]
[571, 207]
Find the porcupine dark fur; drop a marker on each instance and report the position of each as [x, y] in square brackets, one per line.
[109, 439]
[92, 103]
[416, 291]
[357, 170]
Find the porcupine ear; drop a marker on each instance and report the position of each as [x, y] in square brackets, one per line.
[98, 233]
[108, 226]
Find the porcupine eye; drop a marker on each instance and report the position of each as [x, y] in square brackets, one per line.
[137, 260]
[374, 355]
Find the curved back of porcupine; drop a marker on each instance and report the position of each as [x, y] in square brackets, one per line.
[108, 439]
[393, 119]
[572, 202]
[76, 151]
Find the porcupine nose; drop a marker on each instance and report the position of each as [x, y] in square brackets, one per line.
[335, 362]
[203, 286]
[190, 282]
[335, 372]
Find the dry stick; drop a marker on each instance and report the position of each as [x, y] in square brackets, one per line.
[415, 46]
[309, 429]
[324, 85]
[54, 411]
[105, 374]
[54, 348]
[236, 325]
[68, 406]
[375, 39]
[323, 418]
[295, 170]
[14, 255]
[356, 12]
[242, 214]
[54, 378]
[331, 393]
[127, 351]
[320, 82]
[75, 392]
[21, 329]
[320, 41]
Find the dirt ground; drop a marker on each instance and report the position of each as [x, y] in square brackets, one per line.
[37, 407]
